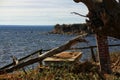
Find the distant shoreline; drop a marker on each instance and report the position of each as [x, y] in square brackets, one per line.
[71, 29]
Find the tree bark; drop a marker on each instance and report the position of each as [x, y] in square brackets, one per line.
[104, 17]
[46, 54]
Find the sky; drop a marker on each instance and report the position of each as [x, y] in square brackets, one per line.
[40, 12]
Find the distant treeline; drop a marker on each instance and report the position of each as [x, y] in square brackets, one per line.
[71, 29]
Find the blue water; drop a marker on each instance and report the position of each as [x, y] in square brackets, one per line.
[23, 40]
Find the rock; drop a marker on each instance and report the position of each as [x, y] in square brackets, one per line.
[70, 29]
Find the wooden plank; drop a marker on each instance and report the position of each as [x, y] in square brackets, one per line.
[64, 56]
[21, 59]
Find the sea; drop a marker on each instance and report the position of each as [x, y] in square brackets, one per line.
[20, 41]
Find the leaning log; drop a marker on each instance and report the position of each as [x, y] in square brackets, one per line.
[21, 59]
[50, 53]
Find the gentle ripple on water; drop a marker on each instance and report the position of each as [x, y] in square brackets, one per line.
[21, 41]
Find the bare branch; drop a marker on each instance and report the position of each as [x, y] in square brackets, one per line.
[78, 14]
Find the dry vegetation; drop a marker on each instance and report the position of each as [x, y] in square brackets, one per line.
[77, 71]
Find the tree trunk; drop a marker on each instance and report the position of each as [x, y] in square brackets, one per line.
[104, 17]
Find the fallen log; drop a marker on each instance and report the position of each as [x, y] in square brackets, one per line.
[21, 59]
[50, 53]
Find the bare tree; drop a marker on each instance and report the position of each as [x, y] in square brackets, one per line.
[104, 17]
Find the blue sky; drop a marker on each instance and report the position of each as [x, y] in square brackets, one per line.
[40, 12]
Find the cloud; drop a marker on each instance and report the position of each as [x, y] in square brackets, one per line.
[40, 11]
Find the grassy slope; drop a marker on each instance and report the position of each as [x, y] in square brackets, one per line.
[86, 71]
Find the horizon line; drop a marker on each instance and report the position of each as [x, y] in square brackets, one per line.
[36, 24]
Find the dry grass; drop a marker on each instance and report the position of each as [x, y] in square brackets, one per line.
[78, 71]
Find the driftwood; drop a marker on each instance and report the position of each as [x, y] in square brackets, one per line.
[21, 59]
[45, 55]
[104, 17]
